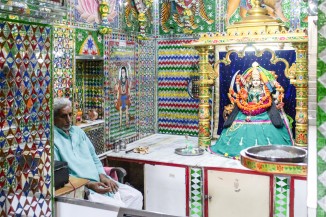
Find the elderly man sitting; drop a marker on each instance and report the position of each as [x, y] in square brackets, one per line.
[73, 146]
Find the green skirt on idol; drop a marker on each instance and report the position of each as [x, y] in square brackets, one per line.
[243, 134]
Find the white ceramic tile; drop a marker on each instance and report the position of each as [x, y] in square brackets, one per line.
[322, 178]
[322, 79]
[322, 55]
[322, 203]
[322, 129]
[322, 104]
[322, 153]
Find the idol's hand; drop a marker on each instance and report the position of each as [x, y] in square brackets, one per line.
[280, 105]
[99, 187]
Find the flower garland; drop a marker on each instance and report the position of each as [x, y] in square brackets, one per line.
[142, 8]
[253, 108]
[104, 9]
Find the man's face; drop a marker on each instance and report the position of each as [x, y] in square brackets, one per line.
[62, 119]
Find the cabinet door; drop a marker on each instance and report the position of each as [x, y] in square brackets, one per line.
[300, 198]
[238, 194]
[165, 189]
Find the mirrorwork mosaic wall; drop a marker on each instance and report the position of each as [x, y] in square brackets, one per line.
[63, 61]
[321, 110]
[88, 88]
[146, 90]
[25, 161]
[177, 111]
[106, 90]
[176, 67]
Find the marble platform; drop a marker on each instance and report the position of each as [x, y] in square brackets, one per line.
[162, 147]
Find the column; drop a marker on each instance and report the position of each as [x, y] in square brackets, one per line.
[301, 84]
[205, 81]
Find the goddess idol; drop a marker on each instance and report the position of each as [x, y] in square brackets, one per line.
[257, 117]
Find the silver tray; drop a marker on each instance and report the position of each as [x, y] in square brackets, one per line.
[184, 152]
[277, 153]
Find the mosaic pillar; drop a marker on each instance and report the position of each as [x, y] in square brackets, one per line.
[106, 88]
[205, 81]
[301, 84]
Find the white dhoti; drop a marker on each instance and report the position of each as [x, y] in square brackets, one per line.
[126, 196]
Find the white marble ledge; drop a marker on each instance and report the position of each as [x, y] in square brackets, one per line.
[161, 149]
[90, 123]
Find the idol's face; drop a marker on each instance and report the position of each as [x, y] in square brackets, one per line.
[63, 118]
[255, 82]
[123, 73]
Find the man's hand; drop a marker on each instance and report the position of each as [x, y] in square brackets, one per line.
[99, 187]
[109, 182]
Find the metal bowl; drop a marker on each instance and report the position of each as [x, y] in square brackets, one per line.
[277, 153]
[185, 152]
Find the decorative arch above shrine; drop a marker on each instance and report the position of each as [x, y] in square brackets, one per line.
[89, 43]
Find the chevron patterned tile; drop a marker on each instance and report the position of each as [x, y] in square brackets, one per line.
[321, 114]
[196, 203]
[177, 112]
[281, 197]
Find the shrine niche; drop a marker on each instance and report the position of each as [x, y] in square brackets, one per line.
[260, 33]
[258, 116]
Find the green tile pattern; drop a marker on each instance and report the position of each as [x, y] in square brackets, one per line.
[196, 191]
[281, 197]
[321, 110]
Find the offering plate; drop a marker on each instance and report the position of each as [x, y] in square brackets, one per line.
[290, 160]
[187, 152]
[277, 153]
